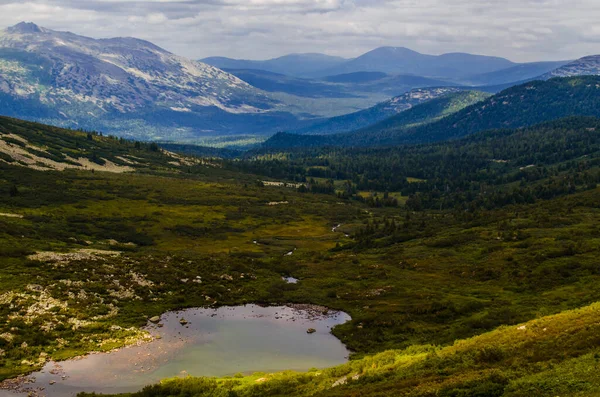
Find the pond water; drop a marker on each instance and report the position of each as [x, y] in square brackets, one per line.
[290, 280]
[214, 342]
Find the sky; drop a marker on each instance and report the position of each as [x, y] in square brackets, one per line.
[521, 30]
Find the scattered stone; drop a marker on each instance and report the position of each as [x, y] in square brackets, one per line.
[183, 321]
[311, 331]
[155, 319]
[11, 215]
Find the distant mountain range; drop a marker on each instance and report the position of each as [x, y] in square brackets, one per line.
[298, 65]
[132, 88]
[461, 68]
[353, 85]
[400, 60]
[521, 106]
[276, 82]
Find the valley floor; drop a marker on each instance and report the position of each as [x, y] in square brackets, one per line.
[85, 265]
[493, 301]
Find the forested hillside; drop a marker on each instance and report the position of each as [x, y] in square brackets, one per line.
[484, 170]
[516, 107]
[463, 280]
[371, 116]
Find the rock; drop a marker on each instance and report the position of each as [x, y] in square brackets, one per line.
[52, 382]
[311, 331]
[183, 321]
[155, 319]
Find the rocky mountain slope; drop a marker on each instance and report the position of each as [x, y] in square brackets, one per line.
[581, 67]
[121, 84]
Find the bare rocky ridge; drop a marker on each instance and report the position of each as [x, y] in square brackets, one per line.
[76, 80]
[582, 67]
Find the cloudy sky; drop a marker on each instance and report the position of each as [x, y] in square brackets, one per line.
[522, 30]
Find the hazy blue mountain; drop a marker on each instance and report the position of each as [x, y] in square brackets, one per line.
[355, 85]
[400, 60]
[518, 73]
[356, 78]
[382, 111]
[298, 65]
[394, 85]
[276, 82]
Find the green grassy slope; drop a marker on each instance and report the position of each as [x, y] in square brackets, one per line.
[426, 113]
[413, 280]
[550, 356]
[387, 109]
[484, 170]
[44, 147]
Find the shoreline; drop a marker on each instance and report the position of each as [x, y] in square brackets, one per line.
[18, 385]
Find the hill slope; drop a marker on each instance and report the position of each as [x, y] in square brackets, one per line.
[581, 67]
[44, 148]
[298, 65]
[509, 238]
[376, 113]
[522, 72]
[472, 284]
[276, 82]
[516, 107]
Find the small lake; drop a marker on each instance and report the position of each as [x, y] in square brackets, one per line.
[214, 342]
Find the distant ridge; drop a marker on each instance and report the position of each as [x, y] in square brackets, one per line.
[297, 65]
[585, 66]
[521, 106]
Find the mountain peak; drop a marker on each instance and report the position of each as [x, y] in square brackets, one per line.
[395, 50]
[25, 28]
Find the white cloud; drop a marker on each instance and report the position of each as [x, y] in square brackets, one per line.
[518, 29]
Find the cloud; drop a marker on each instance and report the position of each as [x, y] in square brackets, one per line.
[522, 30]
